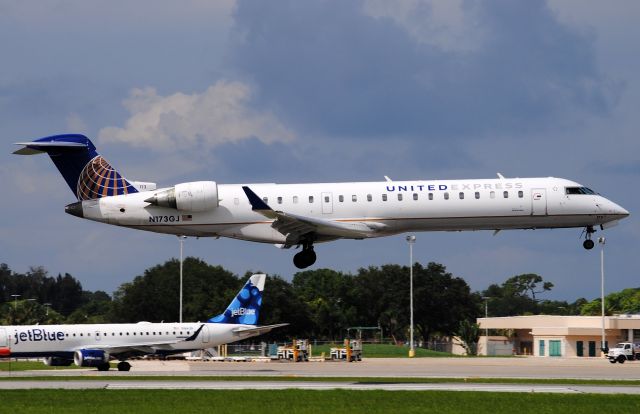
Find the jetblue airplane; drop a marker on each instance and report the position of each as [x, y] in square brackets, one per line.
[94, 345]
[303, 214]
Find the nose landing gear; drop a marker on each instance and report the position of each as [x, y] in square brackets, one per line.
[306, 257]
[588, 243]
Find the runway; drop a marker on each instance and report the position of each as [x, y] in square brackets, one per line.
[524, 368]
[312, 385]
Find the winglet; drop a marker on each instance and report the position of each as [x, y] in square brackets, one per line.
[256, 202]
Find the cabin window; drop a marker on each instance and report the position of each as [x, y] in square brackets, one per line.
[430, 196]
[341, 198]
[492, 194]
[326, 199]
[384, 197]
[127, 333]
[399, 197]
[520, 194]
[446, 196]
[279, 200]
[369, 197]
[310, 199]
[74, 334]
[415, 196]
[295, 201]
[354, 198]
[477, 195]
[461, 195]
[236, 201]
[120, 333]
[81, 334]
[505, 194]
[134, 333]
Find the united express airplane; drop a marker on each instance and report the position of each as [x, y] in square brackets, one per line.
[303, 214]
[94, 345]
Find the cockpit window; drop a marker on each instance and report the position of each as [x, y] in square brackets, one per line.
[579, 190]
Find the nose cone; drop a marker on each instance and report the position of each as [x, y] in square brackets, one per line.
[75, 209]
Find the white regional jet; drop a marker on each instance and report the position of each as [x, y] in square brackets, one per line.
[94, 345]
[303, 214]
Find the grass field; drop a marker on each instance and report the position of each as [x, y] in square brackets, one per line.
[382, 351]
[307, 401]
[28, 365]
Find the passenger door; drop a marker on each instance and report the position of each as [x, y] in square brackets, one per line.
[538, 201]
[327, 203]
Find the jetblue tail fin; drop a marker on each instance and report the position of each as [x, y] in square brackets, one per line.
[244, 309]
[87, 174]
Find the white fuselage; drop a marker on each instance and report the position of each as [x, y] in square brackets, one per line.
[162, 338]
[395, 206]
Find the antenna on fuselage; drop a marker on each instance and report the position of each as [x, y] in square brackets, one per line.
[500, 176]
[388, 179]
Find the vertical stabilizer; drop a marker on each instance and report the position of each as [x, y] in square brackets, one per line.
[86, 172]
[245, 307]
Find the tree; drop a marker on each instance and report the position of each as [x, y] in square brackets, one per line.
[469, 334]
[517, 295]
[625, 301]
[154, 296]
[326, 294]
[441, 301]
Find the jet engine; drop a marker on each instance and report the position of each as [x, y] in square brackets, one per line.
[57, 362]
[192, 197]
[90, 357]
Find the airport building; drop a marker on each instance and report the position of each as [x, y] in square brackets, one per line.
[555, 336]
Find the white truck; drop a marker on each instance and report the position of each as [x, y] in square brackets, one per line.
[624, 351]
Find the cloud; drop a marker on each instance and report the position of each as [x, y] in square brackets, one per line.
[452, 25]
[339, 69]
[219, 115]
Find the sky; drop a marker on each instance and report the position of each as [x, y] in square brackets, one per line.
[283, 91]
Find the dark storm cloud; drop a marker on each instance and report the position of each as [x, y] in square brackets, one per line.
[327, 67]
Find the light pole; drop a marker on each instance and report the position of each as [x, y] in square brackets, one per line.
[181, 238]
[601, 241]
[411, 239]
[486, 315]
[47, 306]
[15, 301]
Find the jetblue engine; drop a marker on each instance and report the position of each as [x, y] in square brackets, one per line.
[192, 197]
[90, 357]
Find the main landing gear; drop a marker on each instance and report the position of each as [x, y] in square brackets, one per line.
[588, 243]
[306, 257]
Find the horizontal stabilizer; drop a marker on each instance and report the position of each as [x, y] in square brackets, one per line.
[31, 148]
[258, 330]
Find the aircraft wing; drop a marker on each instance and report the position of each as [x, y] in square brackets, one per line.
[257, 330]
[295, 226]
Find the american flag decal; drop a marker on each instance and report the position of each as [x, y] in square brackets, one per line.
[187, 217]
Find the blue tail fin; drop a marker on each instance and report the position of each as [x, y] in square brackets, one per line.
[245, 308]
[87, 174]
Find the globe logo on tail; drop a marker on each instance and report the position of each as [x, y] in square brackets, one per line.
[99, 179]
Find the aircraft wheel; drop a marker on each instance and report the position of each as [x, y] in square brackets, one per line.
[311, 257]
[588, 244]
[124, 366]
[305, 258]
[298, 260]
[104, 367]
